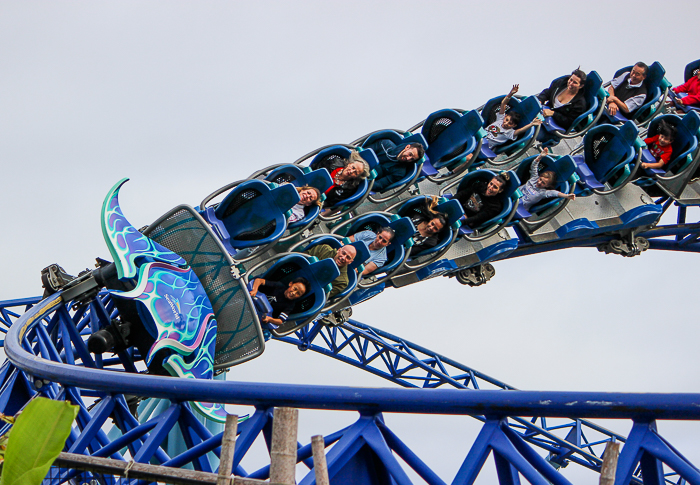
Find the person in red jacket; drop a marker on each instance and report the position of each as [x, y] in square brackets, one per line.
[660, 145]
[692, 88]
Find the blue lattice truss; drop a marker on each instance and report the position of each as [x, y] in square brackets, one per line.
[47, 356]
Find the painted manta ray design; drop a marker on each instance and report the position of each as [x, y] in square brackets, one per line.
[172, 302]
[128, 246]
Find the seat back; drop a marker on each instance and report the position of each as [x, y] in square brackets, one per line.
[654, 84]
[591, 88]
[691, 122]
[300, 177]
[354, 268]
[528, 109]
[397, 139]
[396, 250]
[383, 135]
[591, 93]
[607, 147]
[450, 208]
[691, 70]
[254, 213]
[493, 107]
[509, 195]
[319, 273]
[451, 136]
[563, 167]
[337, 152]
[686, 140]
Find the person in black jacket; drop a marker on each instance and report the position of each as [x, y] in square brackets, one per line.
[563, 100]
[346, 173]
[429, 224]
[281, 298]
[628, 91]
[481, 200]
[395, 161]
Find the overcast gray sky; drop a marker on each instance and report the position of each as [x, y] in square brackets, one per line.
[184, 97]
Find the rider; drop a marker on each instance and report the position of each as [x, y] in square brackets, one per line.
[376, 243]
[281, 298]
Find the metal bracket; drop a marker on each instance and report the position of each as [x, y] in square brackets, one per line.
[476, 275]
[338, 317]
[628, 246]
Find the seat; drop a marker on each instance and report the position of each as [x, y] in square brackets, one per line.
[453, 212]
[684, 146]
[451, 136]
[594, 94]
[528, 109]
[690, 70]
[563, 167]
[397, 250]
[337, 152]
[354, 268]
[657, 86]
[509, 196]
[319, 273]
[300, 177]
[609, 156]
[415, 168]
[252, 214]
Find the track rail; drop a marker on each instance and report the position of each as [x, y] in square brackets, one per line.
[36, 355]
[47, 356]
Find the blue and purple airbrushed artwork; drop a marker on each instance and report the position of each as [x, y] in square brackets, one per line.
[174, 306]
[128, 246]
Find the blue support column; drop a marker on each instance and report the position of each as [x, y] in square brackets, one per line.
[79, 345]
[126, 440]
[376, 441]
[167, 420]
[644, 446]
[512, 453]
[507, 474]
[343, 450]
[84, 419]
[247, 432]
[652, 469]
[192, 439]
[410, 457]
[537, 463]
[477, 455]
[90, 430]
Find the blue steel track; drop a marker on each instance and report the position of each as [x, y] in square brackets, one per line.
[531, 434]
[517, 418]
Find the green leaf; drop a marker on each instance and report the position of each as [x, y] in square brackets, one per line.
[36, 439]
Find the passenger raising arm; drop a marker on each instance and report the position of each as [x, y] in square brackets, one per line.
[429, 224]
[504, 128]
[540, 186]
[513, 120]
